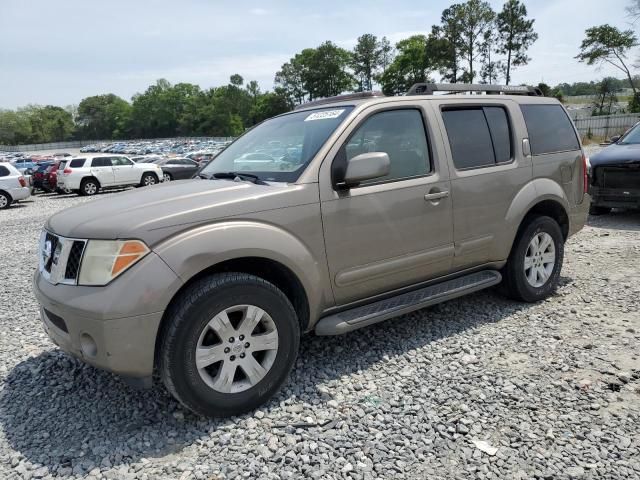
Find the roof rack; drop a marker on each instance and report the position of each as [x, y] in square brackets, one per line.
[429, 88]
[340, 98]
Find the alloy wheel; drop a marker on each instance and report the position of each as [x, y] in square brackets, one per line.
[237, 348]
[539, 259]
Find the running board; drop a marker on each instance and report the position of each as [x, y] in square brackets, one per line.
[359, 317]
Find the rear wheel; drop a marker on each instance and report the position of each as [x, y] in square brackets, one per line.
[229, 344]
[534, 266]
[89, 187]
[5, 200]
[595, 210]
[148, 179]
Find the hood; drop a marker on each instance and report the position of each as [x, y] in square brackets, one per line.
[153, 213]
[616, 154]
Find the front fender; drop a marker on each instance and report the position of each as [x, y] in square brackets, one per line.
[198, 249]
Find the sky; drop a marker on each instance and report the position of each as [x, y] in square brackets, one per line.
[60, 51]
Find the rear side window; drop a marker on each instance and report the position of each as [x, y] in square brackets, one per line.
[478, 137]
[550, 129]
[77, 163]
[4, 171]
[101, 162]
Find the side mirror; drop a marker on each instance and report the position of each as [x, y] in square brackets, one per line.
[615, 138]
[366, 166]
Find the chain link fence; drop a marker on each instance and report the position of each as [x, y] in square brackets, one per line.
[605, 126]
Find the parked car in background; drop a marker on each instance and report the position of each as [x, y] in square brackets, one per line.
[88, 174]
[39, 173]
[24, 164]
[615, 174]
[62, 155]
[13, 186]
[177, 168]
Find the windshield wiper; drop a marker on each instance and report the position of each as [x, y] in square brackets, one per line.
[240, 175]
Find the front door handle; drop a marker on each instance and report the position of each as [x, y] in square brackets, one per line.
[432, 197]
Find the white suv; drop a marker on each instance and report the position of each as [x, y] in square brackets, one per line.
[90, 173]
[13, 185]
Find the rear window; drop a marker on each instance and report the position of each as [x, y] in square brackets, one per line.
[478, 136]
[4, 171]
[77, 163]
[550, 129]
[101, 162]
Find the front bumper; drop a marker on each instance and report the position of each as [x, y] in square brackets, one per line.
[112, 327]
[615, 197]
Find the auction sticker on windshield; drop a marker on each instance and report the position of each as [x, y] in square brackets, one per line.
[327, 114]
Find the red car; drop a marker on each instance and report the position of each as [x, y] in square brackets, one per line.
[50, 178]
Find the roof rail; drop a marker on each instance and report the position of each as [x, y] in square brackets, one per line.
[340, 98]
[429, 88]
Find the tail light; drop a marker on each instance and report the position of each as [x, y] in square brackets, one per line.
[67, 171]
[23, 182]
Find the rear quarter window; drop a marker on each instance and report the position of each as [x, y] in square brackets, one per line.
[550, 129]
[4, 171]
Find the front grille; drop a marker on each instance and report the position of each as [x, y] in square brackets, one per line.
[73, 262]
[60, 258]
[618, 177]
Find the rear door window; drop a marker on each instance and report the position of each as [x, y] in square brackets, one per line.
[77, 163]
[478, 136]
[550, 129]
[101, 162]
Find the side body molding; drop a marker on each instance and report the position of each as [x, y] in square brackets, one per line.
[197, 249]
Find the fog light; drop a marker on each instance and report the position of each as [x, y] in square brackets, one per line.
[88, 345]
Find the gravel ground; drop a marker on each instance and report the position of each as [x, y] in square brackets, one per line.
[477, 388]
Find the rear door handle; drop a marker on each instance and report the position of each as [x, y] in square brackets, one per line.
[430, 197]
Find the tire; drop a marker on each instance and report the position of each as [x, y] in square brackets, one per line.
[5, 200]
[595, 210]
[187, 325]
[527, 285]
[166, 177]
[89, 187]
[148, 179]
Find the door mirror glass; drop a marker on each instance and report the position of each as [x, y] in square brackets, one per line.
[366, 166]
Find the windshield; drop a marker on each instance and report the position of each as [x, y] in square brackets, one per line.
[278, 150]
[632, 136]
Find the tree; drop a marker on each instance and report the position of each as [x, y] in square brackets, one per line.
[633, 10]
[606, 97]
[606, 44]
[103, 117]
[444, 44]
[386, 53]
[271, 104]
[290, 79]
[515, 35]
[411, 65]
[491, 69]
[473, 18]
[366, 59]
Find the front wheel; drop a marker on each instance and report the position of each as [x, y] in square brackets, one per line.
[228, 344]
[5, 201]
[166, 177]
[148, 179]
[534, 265]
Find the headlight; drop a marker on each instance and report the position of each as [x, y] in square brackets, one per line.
[104, 260]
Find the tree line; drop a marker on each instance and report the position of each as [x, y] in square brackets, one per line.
[472, 43]
[163, 110]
